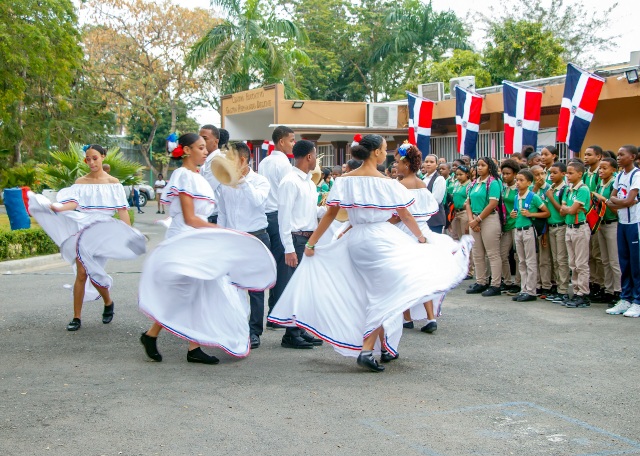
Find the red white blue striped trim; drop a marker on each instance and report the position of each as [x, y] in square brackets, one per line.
[369, 205]
[174, 191]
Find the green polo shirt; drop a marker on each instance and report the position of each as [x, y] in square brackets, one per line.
[509, 198]
[459, 194]
[478, 199]
[555, 217]
[534, 206]
[548, 178]
[591, 179]
[583, 196]
[605, 190]
[451, 183]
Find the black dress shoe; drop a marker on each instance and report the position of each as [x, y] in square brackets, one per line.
[477, 288]
[107, 313]
[198, 356]
[369, 362]
[430, 327]
[74, 325]
[295, 342]
[140, 212]
[150, 347]
[274, 326]
[407, 325]
[255, 341]
[309, 338]
[491, 291]
[385, 357]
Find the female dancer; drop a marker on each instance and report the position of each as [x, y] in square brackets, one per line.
[368, 275]
[182, 288]
[483, 199]
[88, 234]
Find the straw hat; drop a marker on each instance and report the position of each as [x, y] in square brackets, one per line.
[316, 174]
[226, 167]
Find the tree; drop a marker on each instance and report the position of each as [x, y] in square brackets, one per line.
[253, 46]
[522, 50]
[579, 31]
[136, 58]
[39, 57]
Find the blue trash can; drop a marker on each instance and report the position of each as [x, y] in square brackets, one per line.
[13, 202]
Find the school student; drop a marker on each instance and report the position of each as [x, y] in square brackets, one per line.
[608, 233]
[575, 202]
[592, 157]
[527, 205]
[557, 233]
[624, 198]
[545, 273]
[509, 169]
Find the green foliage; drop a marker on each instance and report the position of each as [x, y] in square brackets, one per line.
[20, 176]
[69, 165]
[25, 243]
[522, 50]
[461, 63]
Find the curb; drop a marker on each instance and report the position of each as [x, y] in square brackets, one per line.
[34, 263]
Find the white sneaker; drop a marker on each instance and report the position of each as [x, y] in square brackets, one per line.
[621, 307]
[634, 311]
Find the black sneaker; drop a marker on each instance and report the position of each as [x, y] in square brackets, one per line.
[514, 290]
[578, 302]
[491, 291]
[551, 297]
[430, 327]
[515, 298]
[477, 288]
[407, 325]
[561, 299]
[524, 297]
[543, 292]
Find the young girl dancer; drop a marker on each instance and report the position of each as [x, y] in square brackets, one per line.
[368, 276]
[88, 234]
[187, 284]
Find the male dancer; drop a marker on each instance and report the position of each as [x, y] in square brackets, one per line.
[274, 167]
[211, 137]
[297, 220]
[241, 208]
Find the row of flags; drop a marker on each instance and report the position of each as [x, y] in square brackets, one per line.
[522, 108]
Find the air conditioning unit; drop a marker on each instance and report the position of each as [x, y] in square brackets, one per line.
[434, 91]
[465, 82]
[382, 115]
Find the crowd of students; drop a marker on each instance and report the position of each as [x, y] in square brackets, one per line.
[528, 214]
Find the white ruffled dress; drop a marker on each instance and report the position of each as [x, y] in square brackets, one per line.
[194, 282]
[90, 233]
[369, 276]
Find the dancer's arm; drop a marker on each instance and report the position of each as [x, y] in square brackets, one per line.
[123, 214]
[411, 223]
[59, 207]
[189, 213]
[324, 224]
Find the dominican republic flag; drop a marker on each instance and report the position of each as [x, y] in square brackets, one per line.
[581, 93]
[420, 117]
[522, 107]
[268, 147]
[468, 110]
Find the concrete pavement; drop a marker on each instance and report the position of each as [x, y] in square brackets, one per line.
[497, 378]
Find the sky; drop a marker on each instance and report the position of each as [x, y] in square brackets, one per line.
[624, 22]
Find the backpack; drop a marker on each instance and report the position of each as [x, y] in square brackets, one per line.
[500, 208]
[539, 224]
[595, 214]
[449, 210]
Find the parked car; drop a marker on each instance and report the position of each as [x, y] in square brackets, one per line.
[147, 193]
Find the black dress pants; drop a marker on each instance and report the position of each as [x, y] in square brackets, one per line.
[256, 298]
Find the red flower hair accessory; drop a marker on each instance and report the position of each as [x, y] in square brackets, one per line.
[177, 152]
[356, 140]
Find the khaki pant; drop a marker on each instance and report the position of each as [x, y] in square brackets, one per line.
[608, 242]
[578, 240]
[559, 257]
[596, 274]
[487, 242]
[506, 243]
[459, 225]
[527, 263]
[544, 264]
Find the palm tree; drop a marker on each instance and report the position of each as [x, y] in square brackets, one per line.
[252, 46]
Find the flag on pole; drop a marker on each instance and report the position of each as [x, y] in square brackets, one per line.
[420, 118]
[581, 92]
[268, 147]
[522, 107]
[468, 110]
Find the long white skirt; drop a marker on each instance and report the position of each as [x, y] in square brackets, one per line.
[194, 285]
[365, 280]
[92, 238]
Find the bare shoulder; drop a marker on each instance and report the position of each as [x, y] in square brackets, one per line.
[82, 180]
[113, 180]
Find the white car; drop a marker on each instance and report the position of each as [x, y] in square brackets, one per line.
[147, 193]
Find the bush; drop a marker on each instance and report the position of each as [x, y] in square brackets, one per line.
[25, 243]
[131, 216]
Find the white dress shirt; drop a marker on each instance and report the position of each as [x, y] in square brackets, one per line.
[274, 167]
[205, 171]
[297, 206]
[439, 186]
[242, 208]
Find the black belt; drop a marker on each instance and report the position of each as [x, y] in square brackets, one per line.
[271, 213]
[575, 225]
[258, 233]
[306, 234]
[609, 222]
[523, 229]
[555, 225]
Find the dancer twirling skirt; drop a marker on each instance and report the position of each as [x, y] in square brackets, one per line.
[81, 223]
[192, 282]
[354, 289]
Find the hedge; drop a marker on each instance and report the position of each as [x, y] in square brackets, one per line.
[25, 243]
